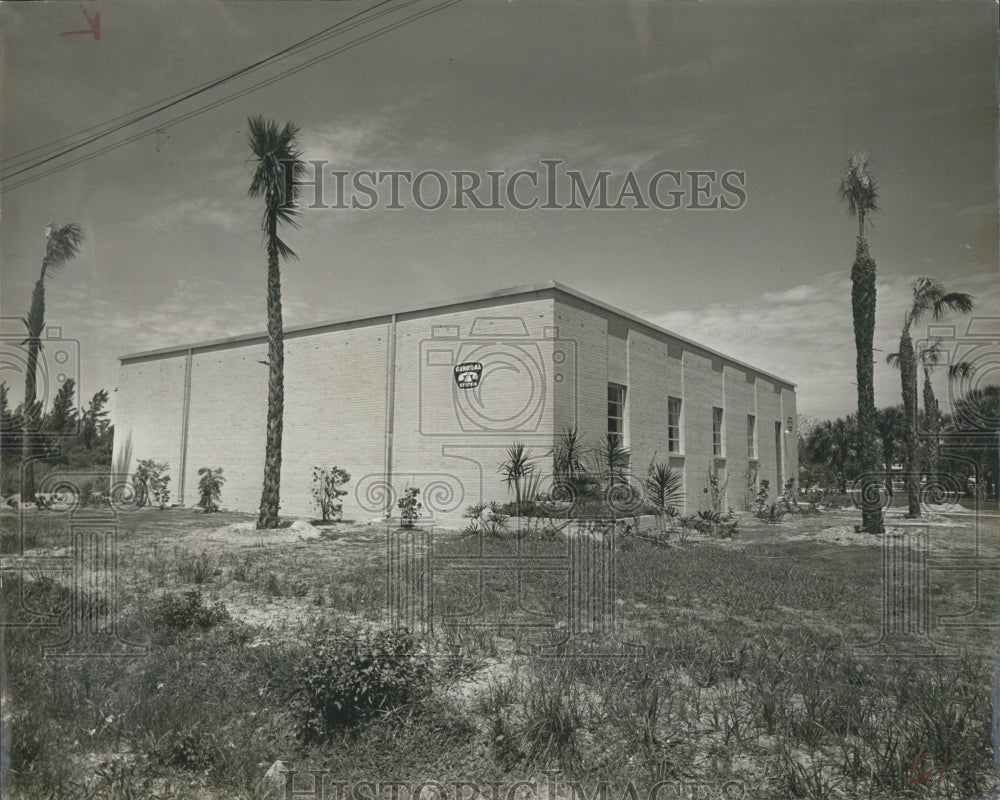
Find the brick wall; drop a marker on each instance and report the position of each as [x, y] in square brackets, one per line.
[548, 358]
[449, 441]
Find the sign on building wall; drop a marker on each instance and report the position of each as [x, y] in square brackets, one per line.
[467, 375]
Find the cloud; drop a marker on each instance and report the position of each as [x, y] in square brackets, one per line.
[805, 334]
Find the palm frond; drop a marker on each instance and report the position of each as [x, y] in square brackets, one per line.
[892, 359]
[930, 354]
[62, 245]
[858, 186]
[962, 369]
[954, 301]
[278, 166]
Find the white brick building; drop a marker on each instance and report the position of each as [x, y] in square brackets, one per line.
[377, 396]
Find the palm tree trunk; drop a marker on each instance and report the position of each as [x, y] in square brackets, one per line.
[932, 423]
[270, 494]
[863, 307]
[908, 378]
[30, 414]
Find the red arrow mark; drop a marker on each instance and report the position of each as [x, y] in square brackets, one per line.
[93, 21]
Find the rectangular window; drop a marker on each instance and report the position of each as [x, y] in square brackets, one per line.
[674, 425]
[718, 440]
[751, 436]
[616, 412]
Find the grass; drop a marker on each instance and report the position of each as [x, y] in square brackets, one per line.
[746, 673]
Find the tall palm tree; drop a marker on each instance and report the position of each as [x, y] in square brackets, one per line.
[929, 297]
[62, 243]
[859, 189]
[277, 161]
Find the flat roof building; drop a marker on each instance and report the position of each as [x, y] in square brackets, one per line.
[380, 397]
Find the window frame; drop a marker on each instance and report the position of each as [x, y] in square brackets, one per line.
[718, 432]
[675, 444]
[620, 401]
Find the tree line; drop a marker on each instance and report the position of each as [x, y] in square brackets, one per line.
[950, 445]
[68, 435]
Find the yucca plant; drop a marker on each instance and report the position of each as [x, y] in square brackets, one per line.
[516, 468]
[664, 489]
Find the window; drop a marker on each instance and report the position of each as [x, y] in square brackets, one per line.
[751, 436]
[718, 441]
[674, 425]
[616, 412]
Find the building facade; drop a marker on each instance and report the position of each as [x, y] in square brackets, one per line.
[378, 396]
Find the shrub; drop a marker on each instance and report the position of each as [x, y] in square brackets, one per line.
[151, 483]
[327, 492]
[351, 675]
[210, 488]
[765, 511]
[489, 519]
[664, 487]
[409, 507]
[174, 612]
[518, 470]
[788, 496]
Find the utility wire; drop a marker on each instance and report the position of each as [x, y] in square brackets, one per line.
[327, 33]
[181, 96]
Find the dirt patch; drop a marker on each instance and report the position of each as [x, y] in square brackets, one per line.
[248, 533]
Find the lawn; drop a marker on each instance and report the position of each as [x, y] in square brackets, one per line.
[758, 666]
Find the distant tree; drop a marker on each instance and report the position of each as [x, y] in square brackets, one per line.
[891, 424]
[62, 245]
[929, 298]
[94, 421]
[859, 189]
[973, 430]
[275, 151]
[210, 489]
[61, 419]
[8, 423]
[834, 444]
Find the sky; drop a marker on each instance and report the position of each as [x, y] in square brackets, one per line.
[778, 93]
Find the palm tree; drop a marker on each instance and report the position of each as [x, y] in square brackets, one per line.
[275, 151]
[62, 245]
[859, 189]
[929, 297]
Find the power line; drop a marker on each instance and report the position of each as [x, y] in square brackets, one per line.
[309, 42]
[179, 97]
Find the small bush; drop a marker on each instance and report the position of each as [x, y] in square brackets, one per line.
[327, 492]
[409, 507]
[352, 675]
[151, 483]
[210, 488]
[174, 612]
